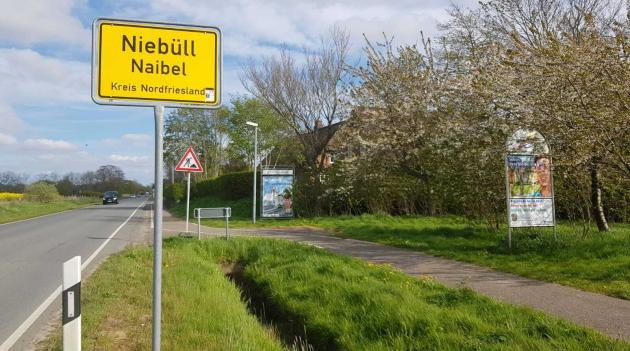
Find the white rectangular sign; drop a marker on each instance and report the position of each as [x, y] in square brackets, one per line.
[277, 172]
[531, 212]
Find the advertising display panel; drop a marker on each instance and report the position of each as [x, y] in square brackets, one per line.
[529, 182]
[529, 176]
[277, 193]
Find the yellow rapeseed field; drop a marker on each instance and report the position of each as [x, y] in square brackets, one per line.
[10, 196]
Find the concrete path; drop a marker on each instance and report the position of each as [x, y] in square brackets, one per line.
[609, 315]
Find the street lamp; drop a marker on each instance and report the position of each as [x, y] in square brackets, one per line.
[255, 125]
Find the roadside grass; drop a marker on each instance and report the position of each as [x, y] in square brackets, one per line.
[18, 210]
[312, 297]
[598, 262]
[241, 214]
[201, 309]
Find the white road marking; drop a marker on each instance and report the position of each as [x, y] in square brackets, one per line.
[17, 334]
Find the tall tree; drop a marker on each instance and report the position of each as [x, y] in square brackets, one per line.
[275, 140]
[204, 130]
[306, 92]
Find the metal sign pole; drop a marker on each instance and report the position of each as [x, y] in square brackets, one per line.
[255, 155]
[508, 195]
[157, 229]
[227, 220]
[187, 203]
[553, 198]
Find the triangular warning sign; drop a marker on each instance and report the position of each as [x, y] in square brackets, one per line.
[189, 163]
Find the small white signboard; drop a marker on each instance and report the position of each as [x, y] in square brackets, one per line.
[531, 212]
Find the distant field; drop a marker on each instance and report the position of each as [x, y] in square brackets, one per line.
[17, 210]
[302, 296]
[6, 196]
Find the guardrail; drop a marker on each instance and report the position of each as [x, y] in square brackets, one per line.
[207, 213]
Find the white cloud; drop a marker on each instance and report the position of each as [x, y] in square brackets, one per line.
[127, 158]
[8, 119]
[139, 139]
[29, 77]
[6, 139]
[254, 28]
[48, 145]
[28, 22]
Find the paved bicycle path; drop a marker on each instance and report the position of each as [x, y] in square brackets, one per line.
[609, 315]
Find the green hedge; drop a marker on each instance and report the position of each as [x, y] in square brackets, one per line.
[90, 194]
[232, 186]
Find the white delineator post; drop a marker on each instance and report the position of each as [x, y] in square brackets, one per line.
[71, 302]
[187, 202]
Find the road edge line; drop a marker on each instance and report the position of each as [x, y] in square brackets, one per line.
[17, 334]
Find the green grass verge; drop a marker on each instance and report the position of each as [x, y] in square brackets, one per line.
[598, 262]
[201, 309]
[329, 301]
[241, 214]
[18, 210]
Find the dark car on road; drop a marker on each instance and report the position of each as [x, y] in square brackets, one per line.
[110, 197]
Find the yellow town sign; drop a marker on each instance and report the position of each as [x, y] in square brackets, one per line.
[145, 63]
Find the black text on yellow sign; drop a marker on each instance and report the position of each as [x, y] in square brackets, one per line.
[141, 63]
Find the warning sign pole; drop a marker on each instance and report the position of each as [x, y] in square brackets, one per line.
[157, 229]
[189, 163]
[187, 202]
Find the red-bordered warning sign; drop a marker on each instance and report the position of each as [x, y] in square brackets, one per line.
[189, 163]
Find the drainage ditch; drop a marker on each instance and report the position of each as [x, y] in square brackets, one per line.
[289, 327]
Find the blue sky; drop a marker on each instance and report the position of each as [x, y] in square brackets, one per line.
[48, 122]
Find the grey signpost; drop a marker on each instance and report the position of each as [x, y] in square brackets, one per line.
[255, 125]
[219, 212]
[120, 77]
[157, 229]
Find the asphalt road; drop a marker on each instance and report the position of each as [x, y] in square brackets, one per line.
[32, 253]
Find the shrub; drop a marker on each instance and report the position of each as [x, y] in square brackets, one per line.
[87, 193]
[41, 192]
[174, 193]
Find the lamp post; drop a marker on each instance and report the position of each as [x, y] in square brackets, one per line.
[255, 125]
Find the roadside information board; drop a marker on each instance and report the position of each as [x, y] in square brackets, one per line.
[142, 63]
[277, 193]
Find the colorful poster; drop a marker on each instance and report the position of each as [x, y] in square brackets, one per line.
[529, 176]
[532, 212]
[277, 193]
